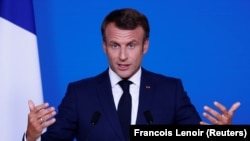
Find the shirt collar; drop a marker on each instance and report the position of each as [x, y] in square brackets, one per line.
[114, 78]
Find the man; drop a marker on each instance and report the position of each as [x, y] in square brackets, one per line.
[91, 107]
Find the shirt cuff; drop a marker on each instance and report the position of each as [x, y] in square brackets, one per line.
[25, 139]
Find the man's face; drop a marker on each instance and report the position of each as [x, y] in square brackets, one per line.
[125, 49]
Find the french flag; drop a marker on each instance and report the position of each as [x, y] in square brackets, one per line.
[20, 78]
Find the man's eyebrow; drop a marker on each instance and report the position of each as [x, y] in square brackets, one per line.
[130, 42]
[133, 42]
[113, 42]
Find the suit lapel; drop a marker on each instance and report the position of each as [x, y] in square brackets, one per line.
[145, 96]
[107, 103]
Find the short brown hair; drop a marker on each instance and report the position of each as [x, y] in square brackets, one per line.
[128, 19]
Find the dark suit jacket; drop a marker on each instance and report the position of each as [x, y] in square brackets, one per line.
[163, 96]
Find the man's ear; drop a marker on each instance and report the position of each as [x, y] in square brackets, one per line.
[145, 46]
[104, 46]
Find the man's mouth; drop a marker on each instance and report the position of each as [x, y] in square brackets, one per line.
[123, 66]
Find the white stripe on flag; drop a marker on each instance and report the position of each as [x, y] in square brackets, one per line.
[19, 79]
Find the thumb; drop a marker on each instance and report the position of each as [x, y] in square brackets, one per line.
[31, 105]
[234, 107]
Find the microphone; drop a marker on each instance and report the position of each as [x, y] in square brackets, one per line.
[95, 118]
[148, 117]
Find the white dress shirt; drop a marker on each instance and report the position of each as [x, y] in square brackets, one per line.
[134, 91]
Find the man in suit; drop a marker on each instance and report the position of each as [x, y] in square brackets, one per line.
[90, 110]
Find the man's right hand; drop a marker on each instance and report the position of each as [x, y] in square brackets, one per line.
[39, 118]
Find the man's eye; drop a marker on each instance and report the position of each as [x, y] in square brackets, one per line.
[131, 46]
[114, 46]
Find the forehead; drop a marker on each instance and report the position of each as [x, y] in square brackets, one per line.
[113, 33]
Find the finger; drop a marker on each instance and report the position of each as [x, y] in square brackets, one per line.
[47, 114]
[48, 123]
[222, 108]
[31, 105]
[38, 128]
[210, 118]
[234, 107]
[213, 112]
[40, 108]
[203, 123]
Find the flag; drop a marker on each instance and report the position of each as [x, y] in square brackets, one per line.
[20, 78]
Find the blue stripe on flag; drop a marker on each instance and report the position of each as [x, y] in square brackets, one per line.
[19, 12]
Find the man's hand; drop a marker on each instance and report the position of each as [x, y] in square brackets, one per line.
[225, 118]
[39, 118]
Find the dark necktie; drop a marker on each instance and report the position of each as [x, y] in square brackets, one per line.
[124, 107]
